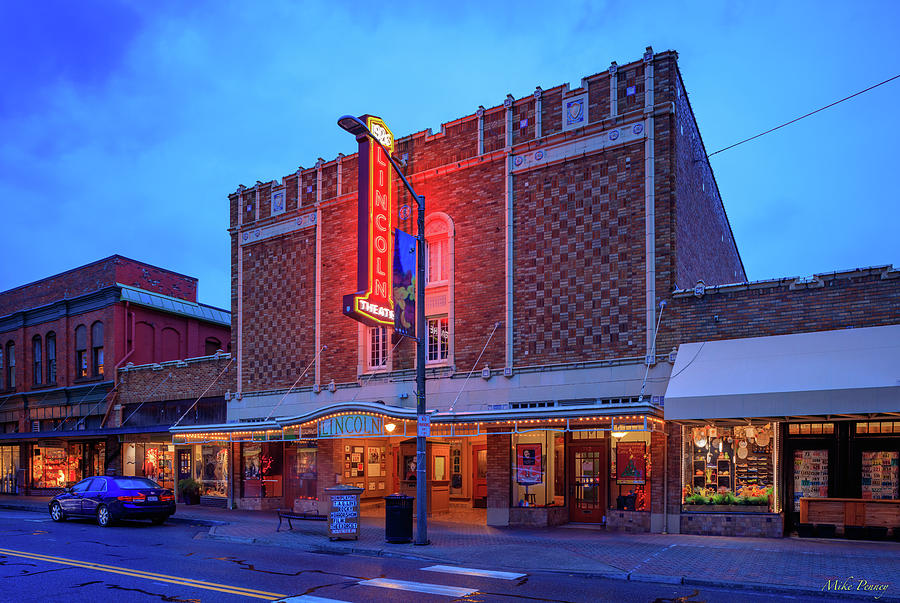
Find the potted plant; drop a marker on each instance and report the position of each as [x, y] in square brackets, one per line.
[189, 490]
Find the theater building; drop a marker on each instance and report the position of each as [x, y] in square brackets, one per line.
[556, 223]
[63, 340]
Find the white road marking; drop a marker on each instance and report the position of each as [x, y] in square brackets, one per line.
[309, 599]
[468, 571]
[421, 587]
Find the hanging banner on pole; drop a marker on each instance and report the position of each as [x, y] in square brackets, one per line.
[404, 284]
[373, 302]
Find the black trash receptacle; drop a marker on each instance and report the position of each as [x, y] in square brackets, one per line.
[398, 518]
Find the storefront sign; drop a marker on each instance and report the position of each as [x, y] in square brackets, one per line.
[373, 302]
[344, 516]
[630, 462]
[529, 464]
[351, 425]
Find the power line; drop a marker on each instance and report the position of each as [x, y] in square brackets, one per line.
[837, 102]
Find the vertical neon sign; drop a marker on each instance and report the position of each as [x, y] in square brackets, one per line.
[373, 302]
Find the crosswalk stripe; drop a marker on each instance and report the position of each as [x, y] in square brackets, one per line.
[468, 571]
[421, 587]
[309, 599]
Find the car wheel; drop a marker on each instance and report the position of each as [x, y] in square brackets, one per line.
[103, 516]
[56, 512]
[158, 521]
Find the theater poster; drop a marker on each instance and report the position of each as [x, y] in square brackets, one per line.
[529, 468]
[630, 463]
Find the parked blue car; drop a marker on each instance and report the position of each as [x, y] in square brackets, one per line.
[108, 498]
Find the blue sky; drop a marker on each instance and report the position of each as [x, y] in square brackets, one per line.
[125, 125]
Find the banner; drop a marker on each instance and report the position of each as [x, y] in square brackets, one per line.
[404, 284]
[529, 467]
[630, 463]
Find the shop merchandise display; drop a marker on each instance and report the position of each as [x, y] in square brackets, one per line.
[735, 461]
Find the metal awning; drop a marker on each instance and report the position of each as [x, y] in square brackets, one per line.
[820, 374]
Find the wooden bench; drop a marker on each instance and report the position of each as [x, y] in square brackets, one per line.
[291, 515]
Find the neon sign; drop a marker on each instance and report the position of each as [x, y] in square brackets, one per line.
[373, 303]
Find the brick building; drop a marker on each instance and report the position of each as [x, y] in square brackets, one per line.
[786, 389]
[555, 224]
[62, 341]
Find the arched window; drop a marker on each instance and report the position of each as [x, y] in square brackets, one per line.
[212, 346]
[11, 365]
[439, 288]
[36, 356]
[81, 366]
[97, 349]
[51, 357]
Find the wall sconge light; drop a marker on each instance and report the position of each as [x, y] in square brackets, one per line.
[390, 427]
[331, 386]
[619, 434]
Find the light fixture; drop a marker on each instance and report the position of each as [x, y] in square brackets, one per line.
[390, 427]
[619, 434]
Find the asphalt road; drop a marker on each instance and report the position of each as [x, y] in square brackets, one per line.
[79, 561]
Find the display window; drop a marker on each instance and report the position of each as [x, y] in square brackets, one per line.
[728, 465]
[629, 471]
[261, 470]
[211, 468]
[56, 466]
[538, 471]
[151, 460]
[9, 467]
[365, 466]
[879, 475]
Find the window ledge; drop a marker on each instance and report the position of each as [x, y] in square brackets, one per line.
[88, 379]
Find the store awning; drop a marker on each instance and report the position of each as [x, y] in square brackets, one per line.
[852, 372]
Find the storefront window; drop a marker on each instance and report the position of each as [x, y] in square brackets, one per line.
[729, 465]
[629, 471]
[56, 466]
[538, 469]
[9, 466]
[303, 475]
[211, 469]
[879, 473]
[151, 460]
[261, 470]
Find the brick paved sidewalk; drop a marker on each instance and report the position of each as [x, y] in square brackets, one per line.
[789, 564]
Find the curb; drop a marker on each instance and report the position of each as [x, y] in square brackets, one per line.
[787, 589]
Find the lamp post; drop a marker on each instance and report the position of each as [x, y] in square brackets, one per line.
[358, 128]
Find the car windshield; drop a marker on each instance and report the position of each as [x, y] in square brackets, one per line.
[135, 483]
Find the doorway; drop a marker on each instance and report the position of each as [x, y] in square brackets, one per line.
[479, 477]
[587, 476]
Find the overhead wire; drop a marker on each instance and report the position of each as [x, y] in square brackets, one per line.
[787, 123]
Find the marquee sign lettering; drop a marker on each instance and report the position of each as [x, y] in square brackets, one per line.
[373, 302]
[351, 425]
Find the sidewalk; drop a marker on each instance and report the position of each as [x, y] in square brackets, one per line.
[792, 565]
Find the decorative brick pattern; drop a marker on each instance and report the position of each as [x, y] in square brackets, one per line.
[766, 525]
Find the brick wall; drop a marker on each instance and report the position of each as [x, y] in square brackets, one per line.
[578, 249]
[706, 247]
[499, 461]
[95, 276]
[852, 299]
[766, 525]
[177, 380]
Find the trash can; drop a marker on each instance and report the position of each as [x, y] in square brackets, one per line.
[398, 518]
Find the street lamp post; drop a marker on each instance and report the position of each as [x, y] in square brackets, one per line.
[358, 128]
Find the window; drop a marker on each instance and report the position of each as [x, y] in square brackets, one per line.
[51, 357]
[11, 365]
[81, 368]
[436, 259]
[97, 349]
[36, 349]
[2, 368]
[377, 351]
[212, 346]
[438, 339]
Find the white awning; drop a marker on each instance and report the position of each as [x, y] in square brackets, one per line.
[826, 373]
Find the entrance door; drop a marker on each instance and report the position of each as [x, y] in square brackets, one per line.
[184, 465]
[479, 476]
[587, 476]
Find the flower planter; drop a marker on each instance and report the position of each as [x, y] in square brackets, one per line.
[726, 508]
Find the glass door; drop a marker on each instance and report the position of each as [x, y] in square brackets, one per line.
[588, 478]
